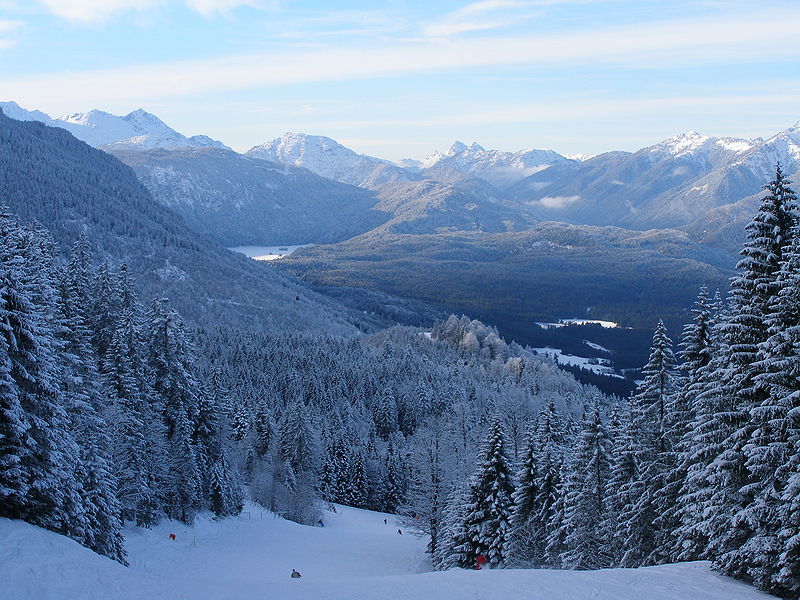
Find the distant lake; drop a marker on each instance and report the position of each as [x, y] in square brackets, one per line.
[268, 252]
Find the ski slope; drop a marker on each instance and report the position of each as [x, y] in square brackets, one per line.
[354, 557]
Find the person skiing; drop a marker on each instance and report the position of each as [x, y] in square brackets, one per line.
[400, 532]
[295, 574]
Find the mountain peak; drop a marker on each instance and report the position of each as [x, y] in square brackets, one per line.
[15, 111]
[145, 118]
[456, 148]
[138, 130]
[328, 158]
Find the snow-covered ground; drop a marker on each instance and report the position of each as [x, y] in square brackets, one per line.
[601, 366]
[354, 557]
[565, 322]
[596, 346]
[268, 252]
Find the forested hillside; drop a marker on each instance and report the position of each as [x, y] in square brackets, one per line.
[700, 463]
[72, 189]
[239, 201]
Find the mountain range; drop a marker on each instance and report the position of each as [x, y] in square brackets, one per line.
[72, 189]
[511, 237]
[706, 186]
[138, 130]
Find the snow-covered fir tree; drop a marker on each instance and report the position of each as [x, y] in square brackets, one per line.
[643, 542]
[489, 502]
[585, 484]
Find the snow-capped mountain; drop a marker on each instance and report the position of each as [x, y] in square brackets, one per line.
[328, 158]
[783, 148]
[737, 187]
[653, 187]
[138, 130]
[239, 200]
[499, 168]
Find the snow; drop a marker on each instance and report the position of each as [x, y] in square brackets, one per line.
[138, 130]
[735, 145]
[700, 148]
[495, 166]
[596, 346]
[565, 322]
[325, 157]
[354, 557]
[268, 252]
[601, 366]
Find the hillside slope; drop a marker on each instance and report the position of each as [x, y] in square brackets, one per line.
[72, 188]
[354, 557]
[238, 200]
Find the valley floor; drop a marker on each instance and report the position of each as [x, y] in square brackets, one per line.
[354, 557]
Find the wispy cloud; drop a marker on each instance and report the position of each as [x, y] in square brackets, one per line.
[92, 11]
[479, 16]
[7, 26]
[544, 112]
[341, 22]
[555, 201]
[751, 37]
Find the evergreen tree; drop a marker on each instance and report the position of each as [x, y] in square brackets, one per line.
[487, 522]
[538, 489]
[171, 359]
[296, 438]
[768, 453]
[584, 497]
[708, 434]
[38, 454]
[452, 539]
[621, 478]
[735, 486]
[522, 538]
[392, 491]
[85, 398]
[643, 542]
[696, 349]
[138, 439]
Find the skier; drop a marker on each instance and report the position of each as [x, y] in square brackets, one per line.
[295, 574]
[384, 521]
[400, 532]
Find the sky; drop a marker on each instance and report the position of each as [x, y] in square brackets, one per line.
[403, 78]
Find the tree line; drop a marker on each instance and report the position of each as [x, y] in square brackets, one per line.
[103, 417]
[702, 462]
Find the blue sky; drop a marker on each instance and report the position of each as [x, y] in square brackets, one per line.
[402, 78]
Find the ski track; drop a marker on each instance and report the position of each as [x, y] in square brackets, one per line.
[354, 557]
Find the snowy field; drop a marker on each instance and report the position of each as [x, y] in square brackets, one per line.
[268, 252]
[565, 322]
[354, 557]
[601, 366]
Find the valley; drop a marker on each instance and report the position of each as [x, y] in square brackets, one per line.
[472, 231]
[268, 252]
[468, 300]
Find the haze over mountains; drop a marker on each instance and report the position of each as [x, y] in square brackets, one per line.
[683, 182]
[72, 189]
[495, 218]
[136, 130]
